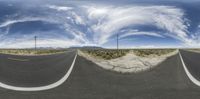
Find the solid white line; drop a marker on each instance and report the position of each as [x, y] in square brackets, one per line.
[194, 80]
[50, 86]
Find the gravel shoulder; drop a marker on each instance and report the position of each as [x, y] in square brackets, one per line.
[31, 53]
[191, 50]
[130, 63]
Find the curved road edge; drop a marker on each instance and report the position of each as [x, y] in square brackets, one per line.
[41, 88]
[193, 79]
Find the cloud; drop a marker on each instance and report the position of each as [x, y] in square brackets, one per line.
[6, 31]
[9, 22]
[40, 43]
[146, 46]
[136, 32]
[59, 8]
[96, 12]
[26, 40]
[78, 19]
[79, 36]
[112, 19]
[154, 46]
[195, 38]
[96, 24]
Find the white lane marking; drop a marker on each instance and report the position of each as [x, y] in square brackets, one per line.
[194, 80]
[50, 86]
[17, 59]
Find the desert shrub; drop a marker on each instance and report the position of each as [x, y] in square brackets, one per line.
[31, 51]
[113, 53]
[107, 53]
[147, 52]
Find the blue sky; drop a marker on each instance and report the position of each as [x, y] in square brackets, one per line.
[139, 24]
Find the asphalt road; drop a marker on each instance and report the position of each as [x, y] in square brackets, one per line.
[89, 81]
[34, 71]
[192, 61]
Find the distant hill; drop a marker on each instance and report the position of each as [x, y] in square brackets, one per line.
[38, 48]
[60, 48]
[86, 47]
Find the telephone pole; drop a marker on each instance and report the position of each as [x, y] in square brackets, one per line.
[35, 43]
[117, 44]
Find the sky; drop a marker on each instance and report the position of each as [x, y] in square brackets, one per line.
[64, 23]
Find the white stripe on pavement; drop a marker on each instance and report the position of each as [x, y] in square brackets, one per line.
[17, 59]
[194, 80]
[50, 86]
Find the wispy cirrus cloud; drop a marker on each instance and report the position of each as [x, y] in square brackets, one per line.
[41, 43]
[113, 19]
[136, 32]
[59, 8]
[91, 24]
[10, 22]
[25, 40]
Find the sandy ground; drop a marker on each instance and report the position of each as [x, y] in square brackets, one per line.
[197, 51]
[31, 54]
[130, 63]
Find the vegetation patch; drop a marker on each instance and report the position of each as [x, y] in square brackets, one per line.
[31, 51]
[193, 50]
[113, 53]
[133, 60]
[107, 53]
[152, 52]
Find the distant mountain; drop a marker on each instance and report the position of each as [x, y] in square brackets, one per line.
[46, 48]
[86, 47]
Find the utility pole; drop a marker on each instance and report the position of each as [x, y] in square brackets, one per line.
[117, 44]
[35, 43]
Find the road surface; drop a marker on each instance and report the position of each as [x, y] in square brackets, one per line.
[34, 71]
[192, 61]
[89, 81]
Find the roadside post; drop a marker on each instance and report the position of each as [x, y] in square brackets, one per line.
[117, 44]
[35, 44]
